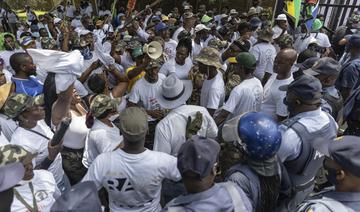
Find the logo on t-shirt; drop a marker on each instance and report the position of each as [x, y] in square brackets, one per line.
[41, 195]
[120, 184]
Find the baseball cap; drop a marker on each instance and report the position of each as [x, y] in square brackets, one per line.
[10, 175]
[16, 104]
[247, 60]
[306, 87]
[14, 154]
[102, 103]
[233, 12]
[81, 197]
[308, 63]
[354, 41]
[153, 64]
[133, 123]
[57, 20]
[201, 27]
[26, 40]
[345, 151]
[160, 26]
[281, 17]
[325, 66]
[198, 155]
[188, 15]
[186, 7]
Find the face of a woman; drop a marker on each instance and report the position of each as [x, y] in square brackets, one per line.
[181, 55]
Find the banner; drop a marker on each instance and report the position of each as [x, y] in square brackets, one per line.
[293, 10]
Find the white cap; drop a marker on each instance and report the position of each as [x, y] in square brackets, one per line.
[233, 11]
[83, 32]
[281, 17]
[200, 27]
[186, 7]
[57, 20]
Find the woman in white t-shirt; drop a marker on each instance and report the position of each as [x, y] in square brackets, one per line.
[75, 136]
[182, 63]
[34, 135]
[104, 136]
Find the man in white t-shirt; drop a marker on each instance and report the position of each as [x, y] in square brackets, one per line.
[273, 103]
[201, 34]
[264, 53]
[133, 174]
[245, 97]
[144, 93]
[213, 88]
[162, 30]
[104, 136]
[281, 26]
[188, 24]
[171, 131]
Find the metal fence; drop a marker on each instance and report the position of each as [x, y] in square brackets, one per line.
[336, 12]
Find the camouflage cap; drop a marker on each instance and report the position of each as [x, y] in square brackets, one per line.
[4, 93]
[16, 104]
[14, 154]
[266, 12]
[354, 18]
[217, 44]
[209, 56]
[102, 103]
[285, 40]
[120, 46]
[47, 43]
[134, 44]
[153, 64]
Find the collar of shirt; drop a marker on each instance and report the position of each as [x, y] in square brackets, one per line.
[189, 198]
[99, 125]
[344, 196]
[312, 113]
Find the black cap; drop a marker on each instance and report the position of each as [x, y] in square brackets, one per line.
[198, 155]
[306, 87]
[345, 151]
[326, 66]
[244, 45]
[354, 41]
[308, 63]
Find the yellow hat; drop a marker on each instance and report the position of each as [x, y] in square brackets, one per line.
[4, 93]
[165, 18]
[99, 22]
[232, 60]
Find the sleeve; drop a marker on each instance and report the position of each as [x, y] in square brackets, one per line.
[95, 173]
[141, 33]
[171, 171]
[290, 146]
[212, 129]
[326, 42]
[214, 99]
[164, 69]
[134, 96]
[161, 140]
[231, 103]
[350, 77]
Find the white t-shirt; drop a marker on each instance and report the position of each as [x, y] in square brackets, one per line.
[213, 92]
[170, 48]
[133, 181]
[277, 31]
[87, 11]
[45, 192]
[3, 140]
[171, 131]
[104, 12]
[196, 48]
[273, 104]
[75, 135]
[35, 143]
[5, 55]
[126, 60]
[70, 9]
[12, 17]
[301, 44]
[176, 33]
[181, 71]
[265, 54]
[245, 97]
[144, 94]
[76, 23]
[8, 126]
[100, 139]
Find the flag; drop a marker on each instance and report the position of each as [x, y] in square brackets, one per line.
[293, 10]
[130, 6]
[314, 14]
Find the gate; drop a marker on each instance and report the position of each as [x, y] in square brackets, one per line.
[336, 12]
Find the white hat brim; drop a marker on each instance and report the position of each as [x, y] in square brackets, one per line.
[171, 104]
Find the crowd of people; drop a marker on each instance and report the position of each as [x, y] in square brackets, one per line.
[187, 110]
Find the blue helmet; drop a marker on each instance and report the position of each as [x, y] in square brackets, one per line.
[260, 135]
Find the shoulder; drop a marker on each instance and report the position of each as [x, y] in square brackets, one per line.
[44, 177]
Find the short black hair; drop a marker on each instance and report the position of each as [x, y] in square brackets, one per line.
[96, 84]
[17, 60]
[185, 42]
[306, 54]
[244, 27]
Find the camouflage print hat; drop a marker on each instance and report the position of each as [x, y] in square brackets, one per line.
[217, 44]
[285, 40]
[354, 18]
[266, 12]
[209, 56]
[16, 104]
[102, 103]
[14, 154]
[153, 64]
[47, 43]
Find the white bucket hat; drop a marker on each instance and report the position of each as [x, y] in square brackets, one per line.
[174, 92]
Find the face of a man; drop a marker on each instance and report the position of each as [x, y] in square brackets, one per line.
[9, 43]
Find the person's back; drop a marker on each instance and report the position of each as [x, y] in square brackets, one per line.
[170, 132]
[133, 181]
